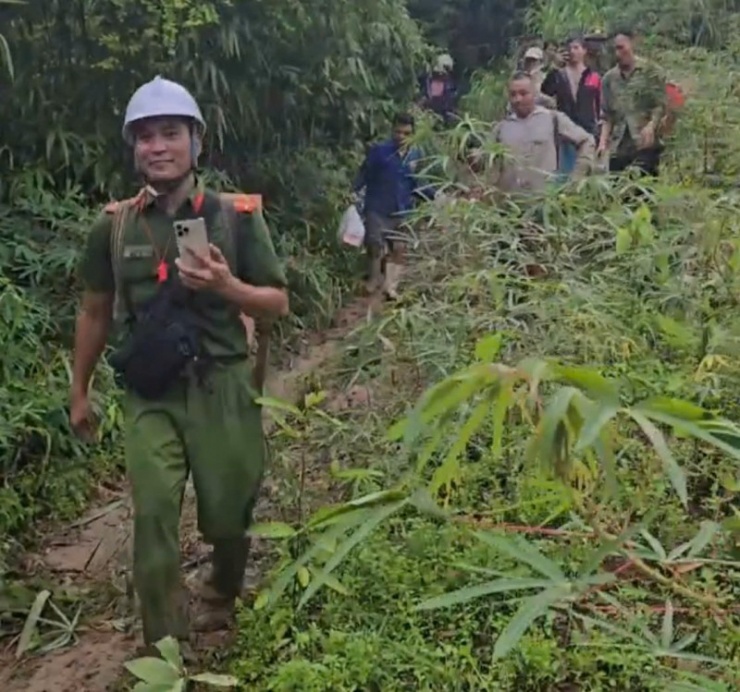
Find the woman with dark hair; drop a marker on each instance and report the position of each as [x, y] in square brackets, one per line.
[576, 89]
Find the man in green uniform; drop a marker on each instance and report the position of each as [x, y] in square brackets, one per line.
[633, 102]
[207, 424]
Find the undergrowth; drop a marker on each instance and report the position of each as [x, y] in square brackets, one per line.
[560, 508]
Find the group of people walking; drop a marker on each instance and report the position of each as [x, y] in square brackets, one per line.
[191, 401]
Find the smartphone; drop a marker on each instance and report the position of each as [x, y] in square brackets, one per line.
[191, 235]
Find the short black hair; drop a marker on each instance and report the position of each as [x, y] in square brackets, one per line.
[576, 38]
[404, 119]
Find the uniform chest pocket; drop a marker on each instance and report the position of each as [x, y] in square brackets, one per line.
[138, 264]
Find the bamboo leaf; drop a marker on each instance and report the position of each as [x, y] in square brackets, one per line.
[470, 593]
[29, 627]
[373, 521]
[273, 529]
[674, 472]
[520, 550]
[531, 609]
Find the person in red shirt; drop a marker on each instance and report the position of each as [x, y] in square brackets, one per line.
[576, 89]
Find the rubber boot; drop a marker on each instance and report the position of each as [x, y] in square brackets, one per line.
[392, 278]
[375, 276]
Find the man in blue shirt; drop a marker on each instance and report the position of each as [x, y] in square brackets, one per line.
[389, 177]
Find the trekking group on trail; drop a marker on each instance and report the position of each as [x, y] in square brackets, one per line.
[563, 121]
[178, 271]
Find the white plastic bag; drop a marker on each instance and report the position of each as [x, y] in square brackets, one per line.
[351, 228]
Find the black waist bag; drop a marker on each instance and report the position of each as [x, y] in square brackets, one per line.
[163, 341]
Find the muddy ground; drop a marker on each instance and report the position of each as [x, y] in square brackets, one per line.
[92, 555]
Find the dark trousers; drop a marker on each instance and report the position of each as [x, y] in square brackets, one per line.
[647, 162]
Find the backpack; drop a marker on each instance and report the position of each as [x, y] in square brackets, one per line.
[675, 101]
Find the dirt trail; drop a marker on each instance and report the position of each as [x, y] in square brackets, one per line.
[93, 553]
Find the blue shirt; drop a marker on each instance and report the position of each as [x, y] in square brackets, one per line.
[390, 179]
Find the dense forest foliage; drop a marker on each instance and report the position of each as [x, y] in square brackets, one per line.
[634, 589]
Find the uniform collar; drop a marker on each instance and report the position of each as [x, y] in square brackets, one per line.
[148, 195]
[536, 111]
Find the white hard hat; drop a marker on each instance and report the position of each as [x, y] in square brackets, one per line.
[534, 53]
[161, 98]
[444, 62]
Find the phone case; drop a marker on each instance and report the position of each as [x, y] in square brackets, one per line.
[191, 235]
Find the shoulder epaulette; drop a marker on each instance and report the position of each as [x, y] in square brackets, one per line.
[113, 205]
[245, 204]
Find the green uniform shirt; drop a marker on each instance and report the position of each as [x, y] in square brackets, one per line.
[247, 248]
[629, 102]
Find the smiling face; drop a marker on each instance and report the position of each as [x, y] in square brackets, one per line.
[163, 148]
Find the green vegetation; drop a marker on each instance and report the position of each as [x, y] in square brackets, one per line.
[554, 513]
[560, 509]
[290, 92]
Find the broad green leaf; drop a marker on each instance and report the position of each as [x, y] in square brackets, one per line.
[488, 348]
[313, 399]
[178, 686]
[674, 472]
[532, 608]
[170, 650]
[262, 600]
[677, 408]
[279, 404]
[696, 429]
[29, 626]
[520, 550]
[707, 531]
[215, 680]
[326, 516]
[273, 529]
[153, 670]
[470, 593]
[303, 576]
[623, 240]
[590, 381]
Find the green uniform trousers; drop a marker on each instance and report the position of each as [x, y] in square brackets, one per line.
[214, 430]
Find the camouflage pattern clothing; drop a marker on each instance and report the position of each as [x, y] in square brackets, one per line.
[629, 102]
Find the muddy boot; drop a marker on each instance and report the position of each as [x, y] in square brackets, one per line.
[222, 587]
[375, 274]
[392, 277]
